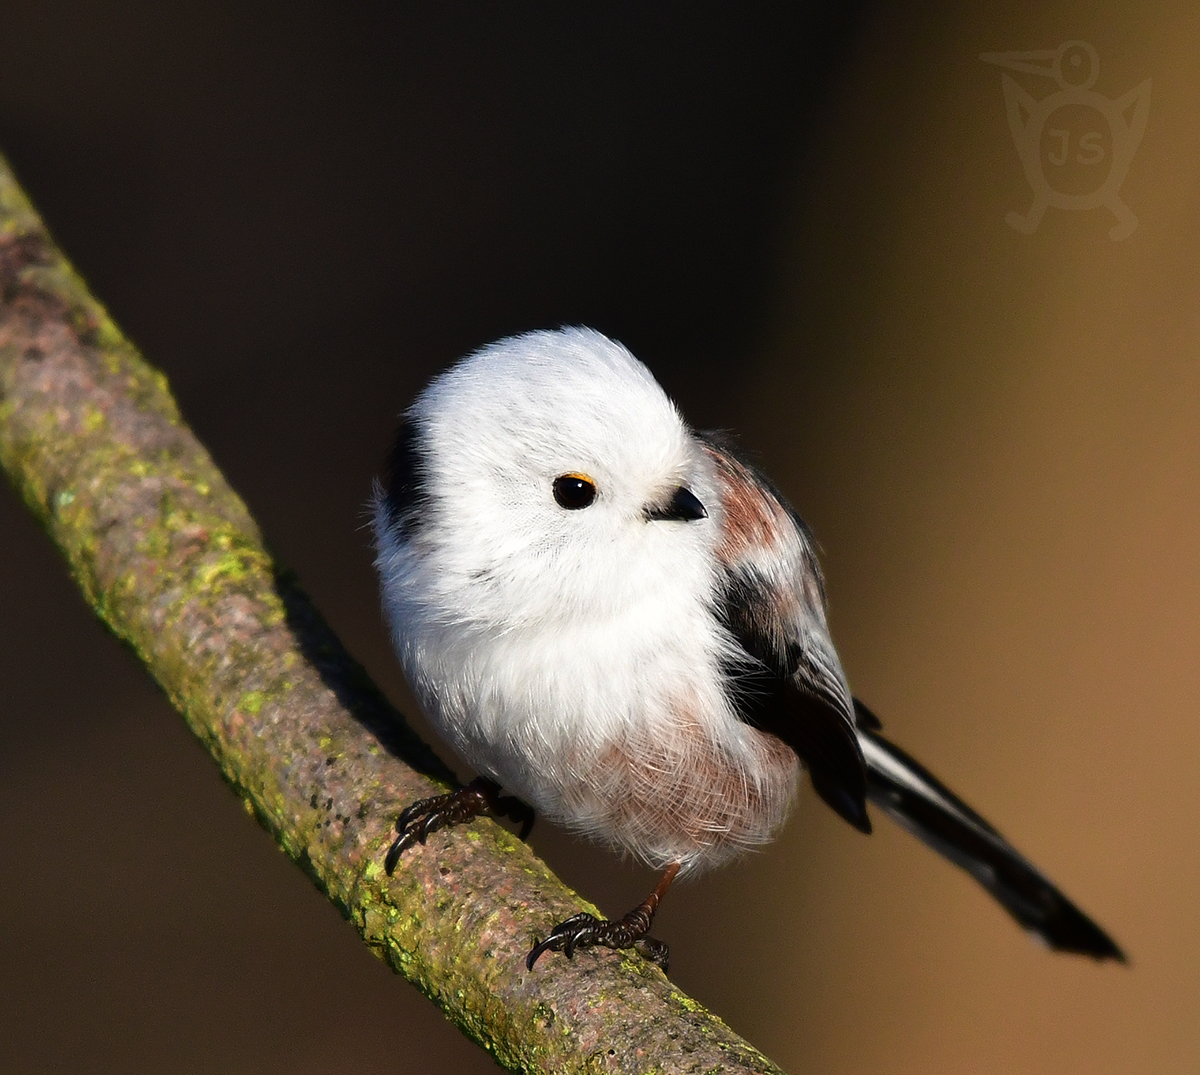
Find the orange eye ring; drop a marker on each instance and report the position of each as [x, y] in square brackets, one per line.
[574, 491]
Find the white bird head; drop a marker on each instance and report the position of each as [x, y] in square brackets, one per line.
[544, 469]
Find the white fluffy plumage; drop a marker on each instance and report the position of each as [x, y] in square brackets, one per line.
[574, 656]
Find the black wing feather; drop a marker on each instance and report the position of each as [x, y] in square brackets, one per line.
[790, 693]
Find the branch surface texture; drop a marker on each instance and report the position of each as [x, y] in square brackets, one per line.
[171, 560]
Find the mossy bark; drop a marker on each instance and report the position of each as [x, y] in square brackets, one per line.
[171, 560]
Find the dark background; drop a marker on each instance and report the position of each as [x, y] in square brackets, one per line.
[795, 215]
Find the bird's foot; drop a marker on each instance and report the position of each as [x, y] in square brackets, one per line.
[426, 816]
[633, 931]
[587, 931]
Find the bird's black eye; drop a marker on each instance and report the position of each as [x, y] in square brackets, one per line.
[574, 491]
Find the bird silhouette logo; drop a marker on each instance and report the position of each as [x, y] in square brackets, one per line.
[1075, 144]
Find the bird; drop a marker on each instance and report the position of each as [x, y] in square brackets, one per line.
[621, 624]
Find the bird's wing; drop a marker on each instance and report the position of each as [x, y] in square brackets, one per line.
[771, 599]
[791, 685]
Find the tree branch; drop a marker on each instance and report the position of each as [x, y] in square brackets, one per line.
[171, 560]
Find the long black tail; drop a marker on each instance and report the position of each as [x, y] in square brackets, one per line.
[918, 801]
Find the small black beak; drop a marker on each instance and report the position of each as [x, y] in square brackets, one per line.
[684, 506]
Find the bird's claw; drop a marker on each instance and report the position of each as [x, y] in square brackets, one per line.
[564, 937]
[424, 817]
[585, 930]
[416, 822]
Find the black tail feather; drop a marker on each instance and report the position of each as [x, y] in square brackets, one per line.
[918, 801]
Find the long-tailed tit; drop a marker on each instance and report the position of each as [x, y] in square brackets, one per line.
[621, 623]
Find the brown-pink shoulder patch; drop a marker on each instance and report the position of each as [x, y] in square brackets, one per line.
[753, 518]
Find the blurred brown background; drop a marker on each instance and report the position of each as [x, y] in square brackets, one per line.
[301, 210]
